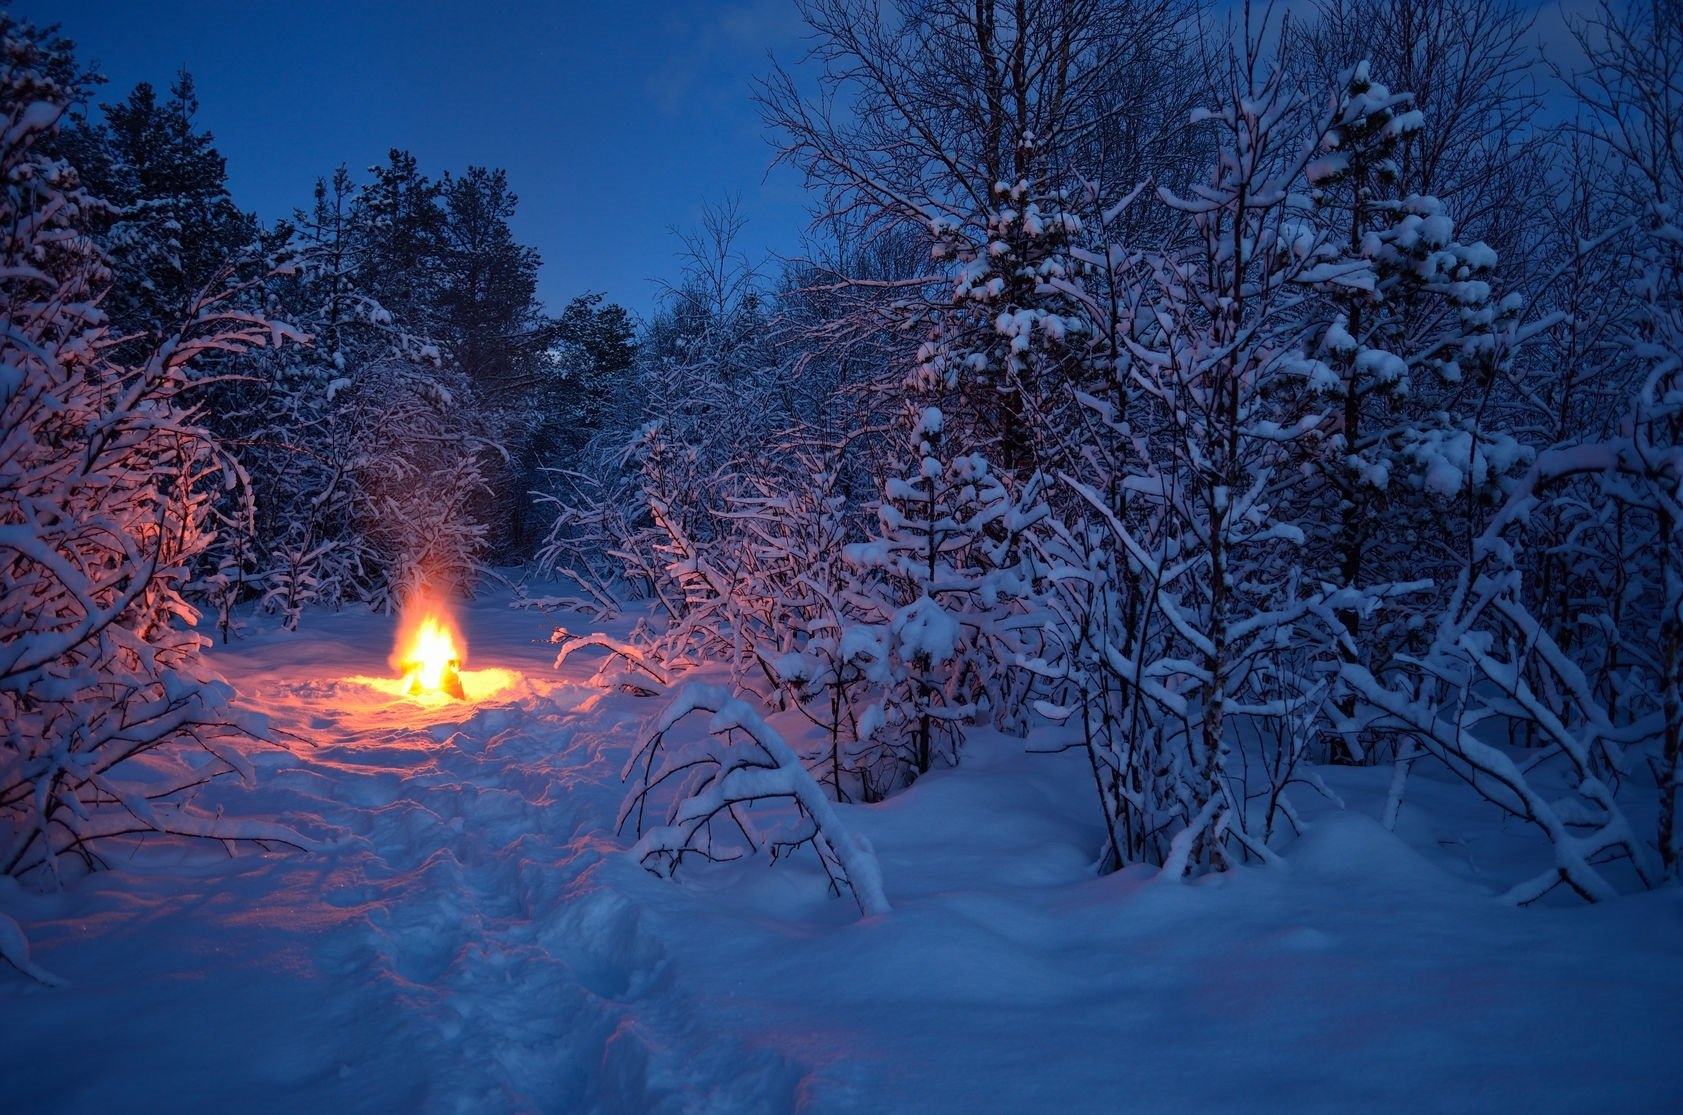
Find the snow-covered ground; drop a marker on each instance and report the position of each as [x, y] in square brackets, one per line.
[469, 936]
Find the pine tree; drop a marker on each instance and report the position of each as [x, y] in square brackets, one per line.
[400, 224]
[1016, 343]
[176, 224]
[497, 333]
[1404, 360]
[487, 298]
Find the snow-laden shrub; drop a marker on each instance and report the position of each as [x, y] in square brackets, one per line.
[797, 599]
[1491, 668]
[940, 599]
[739, 791]
[106, 721]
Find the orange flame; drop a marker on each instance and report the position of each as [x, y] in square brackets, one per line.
[430, 655]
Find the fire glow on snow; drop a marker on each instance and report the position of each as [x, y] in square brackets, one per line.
[429, 654]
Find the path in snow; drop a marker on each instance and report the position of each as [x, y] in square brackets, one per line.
[452, 948]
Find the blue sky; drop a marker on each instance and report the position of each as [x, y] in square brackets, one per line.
[616, 122]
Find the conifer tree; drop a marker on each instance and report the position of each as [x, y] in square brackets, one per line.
[944, 581]
[176, 224]
[1405, 357]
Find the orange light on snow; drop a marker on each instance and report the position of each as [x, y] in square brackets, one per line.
[430, 656]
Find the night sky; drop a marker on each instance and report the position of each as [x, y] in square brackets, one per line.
[616, 122]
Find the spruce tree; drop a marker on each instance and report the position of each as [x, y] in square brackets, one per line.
[176, 225]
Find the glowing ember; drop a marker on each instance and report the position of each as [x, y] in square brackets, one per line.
[431, 660]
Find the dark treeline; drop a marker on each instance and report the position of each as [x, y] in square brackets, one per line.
[1217, 402]
[399, 441]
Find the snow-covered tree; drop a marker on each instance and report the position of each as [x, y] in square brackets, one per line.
[1632, 96]
[1470, 67]
[106, 484]
[1189, 616]
[1015, 343]
[174, 224]
[983, 132]
[943, 588]
[1408, 358]
[1221, 416]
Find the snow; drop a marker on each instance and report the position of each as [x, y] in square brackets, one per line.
[926, 629]
[1384, 367]
[37, 116]
[471, 935]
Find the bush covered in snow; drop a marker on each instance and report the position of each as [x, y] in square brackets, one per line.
[106, 721]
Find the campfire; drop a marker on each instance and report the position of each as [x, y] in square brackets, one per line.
[429, 657]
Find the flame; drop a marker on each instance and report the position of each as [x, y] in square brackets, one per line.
[430, 655]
